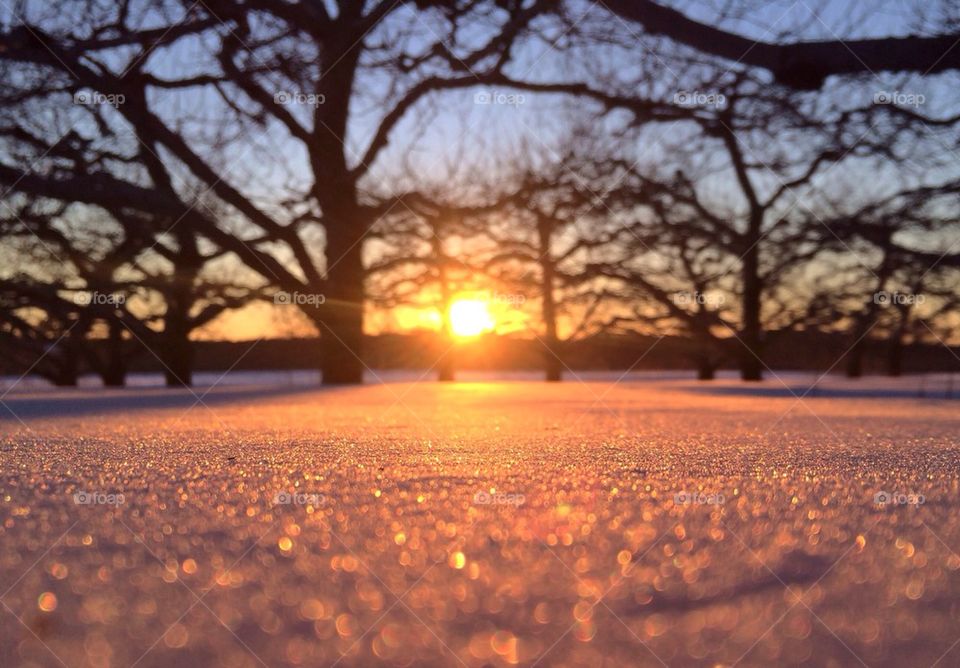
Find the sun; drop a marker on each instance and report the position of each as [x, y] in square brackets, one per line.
[470, 317]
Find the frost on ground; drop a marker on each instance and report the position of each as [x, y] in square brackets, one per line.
[479, 524]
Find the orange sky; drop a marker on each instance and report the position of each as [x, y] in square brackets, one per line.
[263, 320]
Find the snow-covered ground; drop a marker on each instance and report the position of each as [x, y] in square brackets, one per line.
[939, 385]
[657, 521]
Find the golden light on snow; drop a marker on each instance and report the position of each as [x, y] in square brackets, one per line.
[698, 583]
[47, 601]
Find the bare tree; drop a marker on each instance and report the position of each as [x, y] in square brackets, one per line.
[551, 224]
[267, 59]
[803, 65]
[416, 265]
[912, 236]
[266, 148]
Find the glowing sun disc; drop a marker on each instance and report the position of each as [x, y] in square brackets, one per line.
[470, 317]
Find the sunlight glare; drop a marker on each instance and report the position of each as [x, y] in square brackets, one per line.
[470, 317]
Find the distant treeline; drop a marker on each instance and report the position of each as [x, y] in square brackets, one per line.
[803, 351]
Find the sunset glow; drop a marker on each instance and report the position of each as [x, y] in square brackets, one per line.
[489, 310]
[470, 317]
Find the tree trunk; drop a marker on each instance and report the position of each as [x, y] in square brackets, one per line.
[445, 369]
[67, 376]
[751, 364]
[340, 320]
[865, 321]
[554, 369]
[751, 353]
[553, 364]
[341, 316]
[115, 374]
[176, 348]
[855, 359]
[68, 371]
[705, 369]
[895, 358]
[895, 350]
[446, 364]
